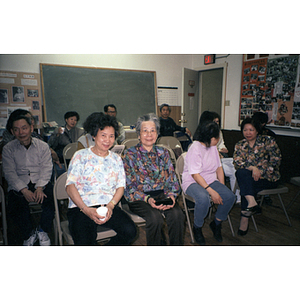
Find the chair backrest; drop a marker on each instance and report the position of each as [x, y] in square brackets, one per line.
[130, 142]
[3, 216]
[59, 191]
[118, 149]
[171, 142]
[180, 165]
[68, 152]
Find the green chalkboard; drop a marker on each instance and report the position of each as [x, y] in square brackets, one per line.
[87, 90]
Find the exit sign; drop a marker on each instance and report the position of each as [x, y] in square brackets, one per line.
[209, 59]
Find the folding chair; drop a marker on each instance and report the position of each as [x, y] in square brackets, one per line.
[281, 189]
[68, 152]
[179, 171]
[130, 142]
[62, 227]
[171, 142]
[295, 181]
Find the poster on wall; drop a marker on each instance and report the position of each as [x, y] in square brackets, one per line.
[20, 90]
[270, 86]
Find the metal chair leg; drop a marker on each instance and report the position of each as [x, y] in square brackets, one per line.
[283, 207]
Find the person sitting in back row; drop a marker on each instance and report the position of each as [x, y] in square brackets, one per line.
[61, 137]
[27, 167]
[111, 110]
[168, 125]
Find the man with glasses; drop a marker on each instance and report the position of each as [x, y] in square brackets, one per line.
[111, 110]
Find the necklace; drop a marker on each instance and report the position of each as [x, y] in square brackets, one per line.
[97, 152]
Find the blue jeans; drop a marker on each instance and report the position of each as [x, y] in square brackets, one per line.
[203, 201]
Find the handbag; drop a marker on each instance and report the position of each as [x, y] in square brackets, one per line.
[160, 197]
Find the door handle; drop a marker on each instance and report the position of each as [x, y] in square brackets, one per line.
[183, 121]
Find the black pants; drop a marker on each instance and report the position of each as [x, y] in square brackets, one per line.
[248, 186]
[18, 210]
[155, 220]
[84, 230]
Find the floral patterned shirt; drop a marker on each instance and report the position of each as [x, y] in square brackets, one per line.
[96, 178]
[265, 155]
[148, 171]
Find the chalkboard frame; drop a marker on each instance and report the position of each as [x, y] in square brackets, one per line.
[53, 106]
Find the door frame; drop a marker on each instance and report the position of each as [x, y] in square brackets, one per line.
[224, 84]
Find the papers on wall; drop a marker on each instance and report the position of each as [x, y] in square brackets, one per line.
[168, 95]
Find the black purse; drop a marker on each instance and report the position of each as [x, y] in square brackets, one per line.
[160, 197]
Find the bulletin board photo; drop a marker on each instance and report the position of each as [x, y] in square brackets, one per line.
[272, 85]
[20, 90]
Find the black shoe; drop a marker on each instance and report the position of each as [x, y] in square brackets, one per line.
[254, 210]
[216, 229]
[199, 235]
[243, 232]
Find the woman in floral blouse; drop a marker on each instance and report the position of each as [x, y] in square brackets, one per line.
[149, 170]
[257, 159]
[96, 178]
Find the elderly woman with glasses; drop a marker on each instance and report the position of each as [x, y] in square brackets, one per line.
[149, 172]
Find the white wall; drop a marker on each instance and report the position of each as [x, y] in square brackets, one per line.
[168, 70]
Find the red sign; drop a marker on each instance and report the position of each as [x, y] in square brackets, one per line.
[209, 59]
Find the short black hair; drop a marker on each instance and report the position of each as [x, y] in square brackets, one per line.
[14, 114]
[206, 131]
[98, 121]
[163, 105]
[109, 105]
[70, 114]
[20, 117]
[255, 123]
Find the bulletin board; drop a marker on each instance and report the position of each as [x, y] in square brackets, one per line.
[20, 90]
[272, 86]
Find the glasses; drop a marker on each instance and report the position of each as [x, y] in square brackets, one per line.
[111, 111]
[150, 132]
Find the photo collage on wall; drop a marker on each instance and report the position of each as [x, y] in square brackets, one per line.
[268, 85]
[20, 90]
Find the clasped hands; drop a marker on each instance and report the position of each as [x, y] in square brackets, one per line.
[151, 201]
[36, 196]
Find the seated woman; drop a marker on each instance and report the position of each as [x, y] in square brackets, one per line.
[256, 159]
[149, 170]
[203, 179]
[228, 168]
[96, 177]
[61, 137]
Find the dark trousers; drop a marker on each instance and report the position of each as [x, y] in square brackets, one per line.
[155, 220]
[18, 210]
[248, 186]
[84, 230]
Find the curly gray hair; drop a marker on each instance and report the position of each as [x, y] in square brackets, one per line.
[148, 117]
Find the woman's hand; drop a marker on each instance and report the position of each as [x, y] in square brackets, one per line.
[215, 197]
[255, 173]
[91, 212]
[151, 201]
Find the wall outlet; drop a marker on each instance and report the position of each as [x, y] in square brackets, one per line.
[227, 103]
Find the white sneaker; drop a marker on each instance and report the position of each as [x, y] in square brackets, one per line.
[31, 240]
[44, 238]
